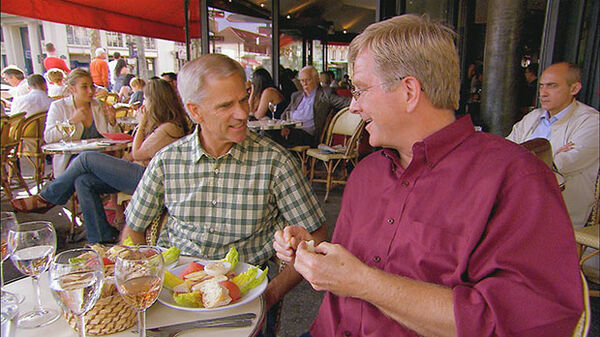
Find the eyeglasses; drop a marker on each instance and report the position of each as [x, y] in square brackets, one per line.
[357, 92]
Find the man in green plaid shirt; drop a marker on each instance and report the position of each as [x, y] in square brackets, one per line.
[224, 186]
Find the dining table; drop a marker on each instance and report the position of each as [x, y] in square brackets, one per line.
[156, 316]
[272, 124]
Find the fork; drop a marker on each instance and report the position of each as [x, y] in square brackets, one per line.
[239, 320]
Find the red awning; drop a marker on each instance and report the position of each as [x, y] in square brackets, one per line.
[162, 19]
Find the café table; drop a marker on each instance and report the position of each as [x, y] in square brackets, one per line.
[157, 315]
[272, 124]
[127, 123]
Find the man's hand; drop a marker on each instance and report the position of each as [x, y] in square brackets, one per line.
[567, 147]
[285, 132]
[333, 268]
[286, 242]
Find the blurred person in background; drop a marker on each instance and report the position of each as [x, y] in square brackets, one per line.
[111, 68]
[263, 95]
[99, 69]
[36, 100]
[51, 61]
[15, 77]
[137, 85]
[57, 87]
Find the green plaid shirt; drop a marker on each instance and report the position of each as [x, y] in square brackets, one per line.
[237, 200]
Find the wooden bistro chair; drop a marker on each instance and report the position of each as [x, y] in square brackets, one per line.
[583, 325]
[343, 123]
[587, 237]
[10, 133]
[30, 144]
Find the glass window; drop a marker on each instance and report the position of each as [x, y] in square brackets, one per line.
[436, 9]
[290, 52]
[114, 39]
[77, 35]
[243, 38]
[150, 43]
[317, 55]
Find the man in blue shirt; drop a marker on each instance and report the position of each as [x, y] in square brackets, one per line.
[311, 106]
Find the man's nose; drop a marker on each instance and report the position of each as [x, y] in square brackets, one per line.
[354, 106]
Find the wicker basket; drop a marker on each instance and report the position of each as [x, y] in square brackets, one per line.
[110, 314]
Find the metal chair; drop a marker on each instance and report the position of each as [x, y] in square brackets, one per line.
[343, 123]
[10, 141]
[30, 144]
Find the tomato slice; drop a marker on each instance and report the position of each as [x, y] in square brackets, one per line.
[191, 268]
[106, 261]
[234, 290]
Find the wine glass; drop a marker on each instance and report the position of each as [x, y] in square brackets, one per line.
[272, 108]
[7, 221]
[31, 246]
[139, 275]
[67, 129]
[76, 279]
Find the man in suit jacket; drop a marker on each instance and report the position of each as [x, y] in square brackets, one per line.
[311, 106]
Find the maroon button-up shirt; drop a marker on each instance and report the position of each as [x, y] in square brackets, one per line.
[471, 212]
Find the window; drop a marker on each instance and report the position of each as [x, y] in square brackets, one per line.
[149, 43]
[77, 35]
[114, 39]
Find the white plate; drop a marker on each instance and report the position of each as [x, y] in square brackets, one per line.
[166, 296]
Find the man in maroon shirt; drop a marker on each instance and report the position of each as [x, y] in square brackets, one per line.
[446, 231]
[51, 61]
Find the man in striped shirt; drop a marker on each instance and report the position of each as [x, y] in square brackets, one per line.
[224, 186]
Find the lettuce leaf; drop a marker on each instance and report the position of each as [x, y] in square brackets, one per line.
[171, 255]
[190, 300]
[249, 280]
[231, 257]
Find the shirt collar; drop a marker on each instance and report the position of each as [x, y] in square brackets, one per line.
[546, 114]
[237, 151]
[438, 145]
[310, 94]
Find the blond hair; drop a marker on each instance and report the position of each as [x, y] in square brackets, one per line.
[76, 74]
[412, 45]
[137, 83]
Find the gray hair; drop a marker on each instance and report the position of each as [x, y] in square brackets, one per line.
[412, 45]
[191, 79]
[314, 73]
[99, 51]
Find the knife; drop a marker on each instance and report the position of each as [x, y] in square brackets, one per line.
[242, 318]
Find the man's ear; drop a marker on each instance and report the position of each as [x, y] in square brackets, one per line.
[413, 92]
[575, 88]
[195, 111]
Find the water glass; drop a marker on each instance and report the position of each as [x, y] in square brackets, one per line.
[9, 314]
[139, 273]
[76, 279]
[7, 221]
[31, 246]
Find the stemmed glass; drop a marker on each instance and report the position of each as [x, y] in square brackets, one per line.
[272, 108]
[139, 275]
[67, 129]
[31, 246]
[76, 279]
[7, 221]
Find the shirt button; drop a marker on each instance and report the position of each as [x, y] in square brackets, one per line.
[390, 221]
[347, 333]
[214, 202]
[377, 259]
[212, 230]
[404, 183]
[216, 171]
[430, 164]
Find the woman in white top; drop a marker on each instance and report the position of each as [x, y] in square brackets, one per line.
[90, 116]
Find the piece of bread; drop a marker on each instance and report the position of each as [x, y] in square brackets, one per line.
[213, 293]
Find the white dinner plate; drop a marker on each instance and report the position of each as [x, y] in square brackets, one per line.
[166, 295]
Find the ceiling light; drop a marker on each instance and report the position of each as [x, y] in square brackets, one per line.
[345, 31]
[262, 5]
[288, 16]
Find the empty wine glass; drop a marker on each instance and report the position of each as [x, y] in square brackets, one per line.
[76, 279]
[7, 221]
[139, 275]
[31, 246]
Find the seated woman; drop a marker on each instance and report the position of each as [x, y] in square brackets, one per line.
[263, 92]
[162, 121]
[90, 116]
